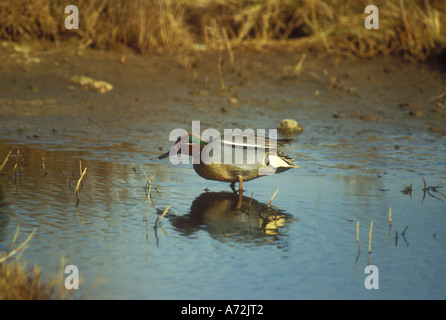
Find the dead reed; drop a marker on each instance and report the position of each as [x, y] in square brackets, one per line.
[158, 224]
[182, 27]
[5, 161]
[271, 200]
[390, 216]
[431, 190]
[17, 282]
[159, 218]
[370, 237]
[79, 184]
[149, 186]
[19, 249]
[45, 172]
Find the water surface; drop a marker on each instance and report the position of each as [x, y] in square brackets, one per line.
[213, 244]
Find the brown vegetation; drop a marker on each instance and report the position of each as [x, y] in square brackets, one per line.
[181, 27]
[17, 282]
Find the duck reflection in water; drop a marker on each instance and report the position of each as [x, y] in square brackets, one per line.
[228, 216]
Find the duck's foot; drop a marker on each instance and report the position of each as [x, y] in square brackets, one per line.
[240, 187]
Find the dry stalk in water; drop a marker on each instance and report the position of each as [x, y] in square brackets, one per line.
[159, 218]
[404, 231]
[370, 237]
[149, 182]
[271, 200]
[19, 248]
[5, 161]
[390, 216]
[78, 186]
[45, 172]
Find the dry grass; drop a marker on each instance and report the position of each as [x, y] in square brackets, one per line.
[146, 26]
[17, 282]
[181, 26]
[2, 165]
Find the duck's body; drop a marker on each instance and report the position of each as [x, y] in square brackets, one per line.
[248, 158]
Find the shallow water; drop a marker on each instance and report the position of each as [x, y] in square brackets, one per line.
[214, 245]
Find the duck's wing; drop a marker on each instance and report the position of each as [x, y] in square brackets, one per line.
[280, 160]
[240, 140]
[282, 142]
[248, 140]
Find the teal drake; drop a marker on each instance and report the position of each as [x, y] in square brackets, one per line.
[248, 158]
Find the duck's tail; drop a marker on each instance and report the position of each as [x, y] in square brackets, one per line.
[281, 161]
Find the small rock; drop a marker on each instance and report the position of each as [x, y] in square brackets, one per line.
[99, 85]
[416, 114]
[290, 125]
[233, 102]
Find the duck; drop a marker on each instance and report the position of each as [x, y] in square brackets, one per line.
[257, 157]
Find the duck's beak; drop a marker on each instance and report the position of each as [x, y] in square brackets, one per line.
[163, 156]
[175, 148]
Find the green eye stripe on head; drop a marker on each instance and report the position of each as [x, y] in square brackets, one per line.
[197, 140]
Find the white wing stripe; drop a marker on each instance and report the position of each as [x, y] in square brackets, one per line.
[278, 162]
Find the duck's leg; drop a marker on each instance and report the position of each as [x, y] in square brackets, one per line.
[240, 184]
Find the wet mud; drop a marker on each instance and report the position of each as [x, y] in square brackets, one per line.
[154, 94]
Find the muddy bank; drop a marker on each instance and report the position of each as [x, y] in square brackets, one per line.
[154, 94]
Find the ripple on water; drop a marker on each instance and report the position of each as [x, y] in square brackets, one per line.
[210, 244]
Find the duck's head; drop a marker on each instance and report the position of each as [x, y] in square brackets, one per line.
[187, 145]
